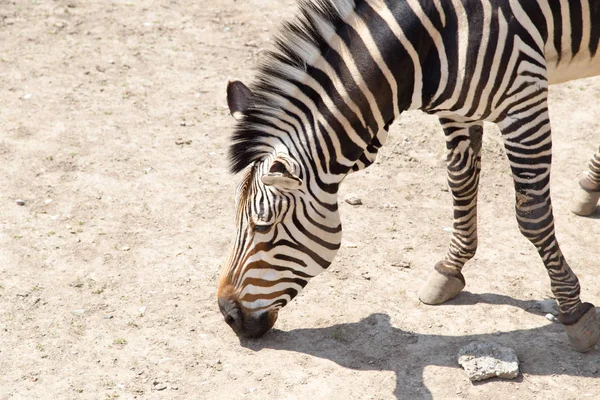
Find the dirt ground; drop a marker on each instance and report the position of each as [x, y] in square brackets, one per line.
[114, 132]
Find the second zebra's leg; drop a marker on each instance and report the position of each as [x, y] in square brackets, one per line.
[588, 194]
[529, 150]
[463, 143]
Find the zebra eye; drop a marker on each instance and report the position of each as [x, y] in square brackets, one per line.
[262, 228]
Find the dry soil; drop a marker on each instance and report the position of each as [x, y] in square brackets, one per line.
[114, 132]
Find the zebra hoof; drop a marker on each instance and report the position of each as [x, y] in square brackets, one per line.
[441, 286]
[585, 202]
[584, 334]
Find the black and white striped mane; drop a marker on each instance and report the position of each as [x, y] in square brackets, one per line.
[298, 43]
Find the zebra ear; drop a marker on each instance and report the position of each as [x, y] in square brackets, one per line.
[280, 176]
[239, 98]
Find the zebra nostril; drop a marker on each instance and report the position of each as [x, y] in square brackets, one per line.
[232, 313]
[234, 319]
[229, 319]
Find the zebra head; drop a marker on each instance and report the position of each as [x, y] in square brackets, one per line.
[286, 233]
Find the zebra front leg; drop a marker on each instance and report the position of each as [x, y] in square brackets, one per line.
[529, 150]
[463, 141]
[587, 196]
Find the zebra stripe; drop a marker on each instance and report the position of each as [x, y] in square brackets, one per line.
[340, 73]
[592, 181]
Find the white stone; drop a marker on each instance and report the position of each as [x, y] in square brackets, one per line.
[550, 317]
[487, 360]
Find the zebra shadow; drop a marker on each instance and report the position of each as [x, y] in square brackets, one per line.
[373, 344]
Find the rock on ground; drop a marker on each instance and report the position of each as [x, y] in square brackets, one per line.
[487, 360]
[353, 200]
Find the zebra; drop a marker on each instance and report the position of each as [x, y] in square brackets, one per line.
[341, 71]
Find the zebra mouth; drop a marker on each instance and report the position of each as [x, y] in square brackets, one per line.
[255, 327]
[243, 324]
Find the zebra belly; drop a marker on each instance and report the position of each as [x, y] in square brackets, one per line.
[578, 67]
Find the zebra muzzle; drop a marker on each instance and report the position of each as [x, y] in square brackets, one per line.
[246, 325]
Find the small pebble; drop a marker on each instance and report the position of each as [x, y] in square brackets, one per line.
[142, 310]
[218, 365]
[108, 317]
[353, 200]
[125, 248]
[27, 96]
[78, 312]
[401, 264]
[48, 201]
[550, 317]
[20, 202]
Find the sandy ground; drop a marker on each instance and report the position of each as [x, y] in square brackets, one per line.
[114, 131]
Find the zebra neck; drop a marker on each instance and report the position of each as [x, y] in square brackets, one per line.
[359, 71]
[342, 70]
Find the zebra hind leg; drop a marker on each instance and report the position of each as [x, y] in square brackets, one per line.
[530, 161]
[588, 193]
[463, 142]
